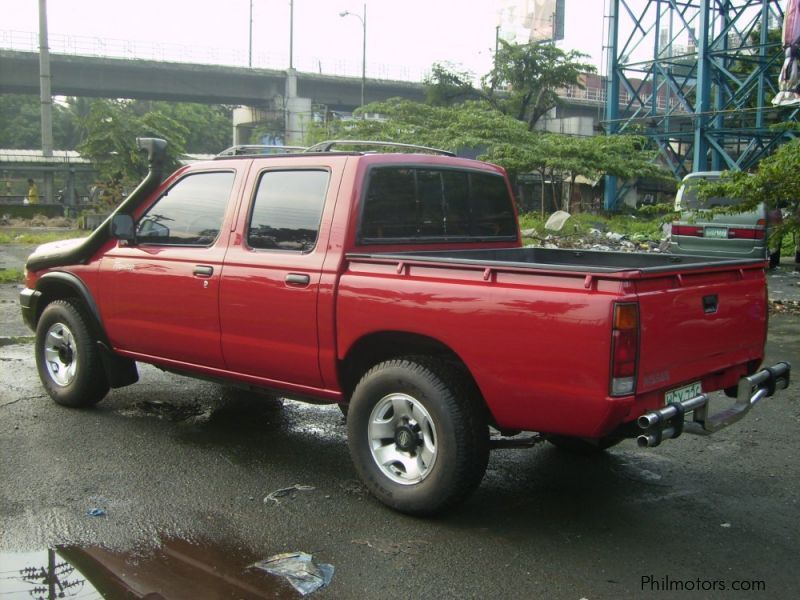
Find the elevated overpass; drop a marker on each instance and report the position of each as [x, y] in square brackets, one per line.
[181, 82]
[267, 91]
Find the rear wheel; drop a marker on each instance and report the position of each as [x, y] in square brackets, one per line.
[417, 434]
[67, 356]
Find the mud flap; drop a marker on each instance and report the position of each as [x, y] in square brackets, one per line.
[120, 371]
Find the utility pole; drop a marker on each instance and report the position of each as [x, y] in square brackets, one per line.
[45, 98]
[250, 48]
[364, 56]
[291, 34]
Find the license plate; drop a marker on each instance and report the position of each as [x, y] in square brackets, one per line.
[716, 232]
[684, 393]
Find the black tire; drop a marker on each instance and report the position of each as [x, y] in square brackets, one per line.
[439, 429]
[67, 356]
[584, 446]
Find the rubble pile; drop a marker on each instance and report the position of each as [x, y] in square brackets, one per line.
[595, 239]
[791, 307]
[36, 221]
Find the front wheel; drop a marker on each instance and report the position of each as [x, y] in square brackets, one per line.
[67, 356]
[417, 434]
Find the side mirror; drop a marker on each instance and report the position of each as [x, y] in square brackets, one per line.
[123, 228]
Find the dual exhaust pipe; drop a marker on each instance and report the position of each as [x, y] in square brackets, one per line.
[669, 422]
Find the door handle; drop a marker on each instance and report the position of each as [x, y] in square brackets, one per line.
[298, 279]
[203, 271]
[710, 304]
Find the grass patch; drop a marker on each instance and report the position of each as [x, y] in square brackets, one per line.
[39, 237]
[11, 276]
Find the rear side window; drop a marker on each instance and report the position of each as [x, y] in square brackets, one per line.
[409, 203]
[690, 200]
[189, 213]
[287, 210]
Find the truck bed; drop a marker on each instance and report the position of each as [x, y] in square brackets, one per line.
[584, 261]
[533, 325]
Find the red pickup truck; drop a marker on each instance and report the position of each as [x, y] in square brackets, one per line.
[396, 285]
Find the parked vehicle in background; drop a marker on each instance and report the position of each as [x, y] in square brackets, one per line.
[704, 229]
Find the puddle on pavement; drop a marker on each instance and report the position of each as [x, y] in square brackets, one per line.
[233, 410]
[228, 406]
[178, 569]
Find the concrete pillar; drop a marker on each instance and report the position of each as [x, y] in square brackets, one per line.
[243, 119]
[296, 115]
[297, 112]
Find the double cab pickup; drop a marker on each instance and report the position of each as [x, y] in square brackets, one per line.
[396, 285]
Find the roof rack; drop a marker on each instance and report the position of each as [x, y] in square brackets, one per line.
[260, 150]
[329, 145]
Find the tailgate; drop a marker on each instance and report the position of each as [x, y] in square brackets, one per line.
[697, 324]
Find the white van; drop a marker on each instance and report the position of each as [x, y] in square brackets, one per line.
[703, 232]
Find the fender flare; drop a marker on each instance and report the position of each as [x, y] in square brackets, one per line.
[120, 371]
[77, 285]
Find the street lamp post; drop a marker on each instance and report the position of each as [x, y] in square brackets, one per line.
[363, 20]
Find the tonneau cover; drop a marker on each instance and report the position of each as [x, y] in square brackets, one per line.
[586, 261]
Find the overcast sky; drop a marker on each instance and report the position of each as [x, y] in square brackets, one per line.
[401, 34]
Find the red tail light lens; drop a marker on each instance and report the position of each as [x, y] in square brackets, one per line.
[624, 349]
[746, 234]
[733, 232]
[692, 230]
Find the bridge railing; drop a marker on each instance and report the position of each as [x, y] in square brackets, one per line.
[28, 41]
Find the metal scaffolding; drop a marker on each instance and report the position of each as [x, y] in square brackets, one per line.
[697, 77]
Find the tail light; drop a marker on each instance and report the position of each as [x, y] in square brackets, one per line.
[738, 233]
[624, 348]
[692, 230]
[746, 234]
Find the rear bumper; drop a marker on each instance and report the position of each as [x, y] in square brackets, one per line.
[739, 249]
[669, 422]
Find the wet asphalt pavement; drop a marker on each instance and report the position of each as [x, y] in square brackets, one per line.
[190, 481]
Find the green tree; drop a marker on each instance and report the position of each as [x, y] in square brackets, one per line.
[625, 156]
[20, 116]
[208, 127]
[470, 125]
[447, 85]
[21, 122]
[111, 131]
[477, 128]
[526, 78]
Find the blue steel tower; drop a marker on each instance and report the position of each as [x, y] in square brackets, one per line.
[697, 77]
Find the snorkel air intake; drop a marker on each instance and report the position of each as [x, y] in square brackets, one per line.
[156, 154]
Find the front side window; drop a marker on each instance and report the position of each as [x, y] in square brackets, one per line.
[189, 213]
[410, 203]
[287, 210]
